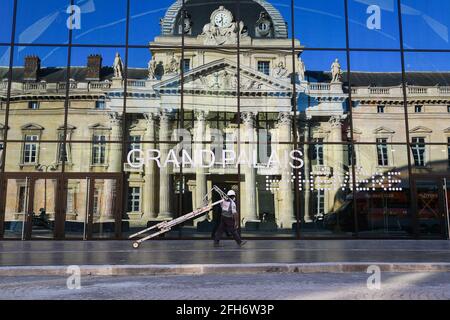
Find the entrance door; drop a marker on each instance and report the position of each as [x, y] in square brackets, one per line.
[432, 207]
[92, 209]
[30, 207]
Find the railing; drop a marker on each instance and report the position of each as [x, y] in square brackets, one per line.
[319, 86]
[99, 85]
[376, 90]
[136, 83]
[417, 90]
[3, 85]
[72, 85]
[444, 90]
[34, 86]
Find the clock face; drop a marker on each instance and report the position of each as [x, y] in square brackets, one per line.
[222, 19]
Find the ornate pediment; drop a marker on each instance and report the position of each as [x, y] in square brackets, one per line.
[383, 130]
[32, 126]
[221, 75]
[420, 129]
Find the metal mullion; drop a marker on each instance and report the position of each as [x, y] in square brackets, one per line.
[120, 200]
[238, 94]
[297, 194]
[181, 114]
[8, 93]
[350, 105]
[405, 106]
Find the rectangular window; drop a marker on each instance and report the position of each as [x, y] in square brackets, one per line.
[30, 149]
[186, 65]
[95, 202]
[134, 199]
[21, 198]
[317, 153]
[380, 109]
[319, 203]
[264, 67]
[100, 104]
[99, 150]
[382, 152]
[33, 105]
[448, 109]
[134, 145]
[62, 152]
[418, 109]
[418, 150]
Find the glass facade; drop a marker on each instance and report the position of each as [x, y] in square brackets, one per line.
[329, 119]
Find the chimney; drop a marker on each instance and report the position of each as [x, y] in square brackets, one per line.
[94, 67]
[32, 68]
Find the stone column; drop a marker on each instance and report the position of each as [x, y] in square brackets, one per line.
[109, 195]
[165, 189]
[200, 173]
[336, 155]
[149, 197]
[306, 185]
[248, 198]
[286, 196]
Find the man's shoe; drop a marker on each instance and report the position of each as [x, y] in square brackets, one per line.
[242, 243]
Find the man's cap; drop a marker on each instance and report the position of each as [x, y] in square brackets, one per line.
[231, 193]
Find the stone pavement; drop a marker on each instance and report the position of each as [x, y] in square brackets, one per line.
[200, 257]
[273, 286]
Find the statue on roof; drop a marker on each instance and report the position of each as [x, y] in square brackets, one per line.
[118, 66]
[336, 72]
[301, 69]
[152, 66]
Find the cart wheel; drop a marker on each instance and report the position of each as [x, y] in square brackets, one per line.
[135, 245]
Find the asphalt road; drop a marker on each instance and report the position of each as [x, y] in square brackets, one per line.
[393, 286]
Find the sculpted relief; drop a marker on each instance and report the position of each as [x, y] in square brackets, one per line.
[222, 28]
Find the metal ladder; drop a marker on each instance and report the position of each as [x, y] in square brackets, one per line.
[166, 226]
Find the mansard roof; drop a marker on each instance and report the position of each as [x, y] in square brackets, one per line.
[200, 11]
[385, 79]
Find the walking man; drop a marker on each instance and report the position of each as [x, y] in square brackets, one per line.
[229, 220]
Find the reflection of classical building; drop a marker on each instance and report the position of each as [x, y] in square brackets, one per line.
[196, 89]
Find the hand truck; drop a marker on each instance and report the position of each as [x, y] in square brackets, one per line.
[166, 226]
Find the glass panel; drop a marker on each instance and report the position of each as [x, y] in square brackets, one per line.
[329, 33]
[377, 95]
[97, 76]
[153, 186]
[383, 190]
[429, 207]
[4, 72]
[16, 204]
[44, 208]
[320, 117]
[104, 208]
[428, 89]
[42, 23]
[6, 18]
[77, 193]
[269, 20]
[426, 24]
[38, 72]
[373, 24]
[144, 15]
[97, 156]
[101, 23]
[325, 185]
[32, 155]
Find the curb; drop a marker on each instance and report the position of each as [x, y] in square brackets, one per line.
[203, 269]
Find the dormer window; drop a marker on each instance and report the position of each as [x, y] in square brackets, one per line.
[380, 109]
[418, 109]
[33, 105]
